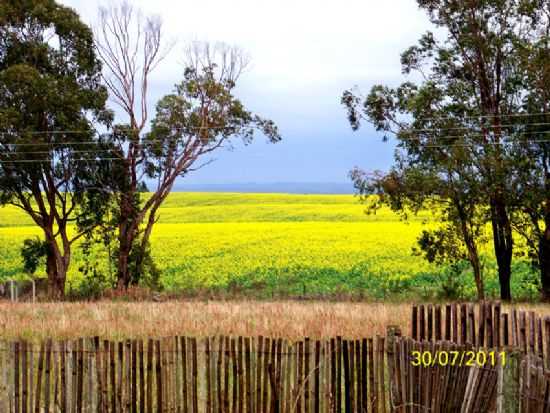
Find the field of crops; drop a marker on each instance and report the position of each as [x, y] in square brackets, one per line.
[277, 245]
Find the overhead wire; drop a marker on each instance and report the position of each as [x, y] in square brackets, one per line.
[456, 137]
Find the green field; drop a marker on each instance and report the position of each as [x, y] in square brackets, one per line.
[272, 245]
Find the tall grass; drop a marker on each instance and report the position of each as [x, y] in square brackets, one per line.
[117, 320]
[287, 319]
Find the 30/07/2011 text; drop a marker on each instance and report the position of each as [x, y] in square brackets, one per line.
[468, 358]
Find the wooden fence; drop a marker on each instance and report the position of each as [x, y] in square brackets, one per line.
[444, 387]
[183, 374]
[272, 375]
[482, 324]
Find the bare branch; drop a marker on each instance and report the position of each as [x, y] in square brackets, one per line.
[131, 47]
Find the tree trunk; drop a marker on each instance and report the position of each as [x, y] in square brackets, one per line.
[125, 242]
[502, 239]
[473, 257]
[471, 247]
[544, 259]
[56, 268]
[145, 238]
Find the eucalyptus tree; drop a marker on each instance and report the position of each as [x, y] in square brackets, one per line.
[50, 92]
[201, 116]
[465, 105]
[532, 151]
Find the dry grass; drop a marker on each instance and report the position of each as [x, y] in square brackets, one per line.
[248, 318]
[288, 319]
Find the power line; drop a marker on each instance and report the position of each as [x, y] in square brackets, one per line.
[81, 143]
[82, 131]
[481, 135]
[507, 115]
[50, 160]
[487, 127]
[486, 143]
[68, 132]
[465, 145]
[87, 143]
[89, 151]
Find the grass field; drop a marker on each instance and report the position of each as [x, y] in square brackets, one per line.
[277, 245]
[287, 319]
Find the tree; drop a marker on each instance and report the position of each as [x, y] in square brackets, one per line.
[472, 87]
[198, 118]
[131, 46]
[433, 180]
[50, 90]
[532, 151]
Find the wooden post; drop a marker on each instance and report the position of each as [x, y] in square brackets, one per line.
[372, 380]
[209, 388]
[333, 373]
[248, 375]
[307, 366]
[414, 322]
[265, 376]
[219, 375]
[392, 332]
[240, 376]
[234, 377]
[159, 377]
[347, 381]
[16, 376]
[463, 324]
[316, 384]
[381, 373]
[481, 319]
[514, 327]
[437, 322]
[454, 316]
[497, 326]
[447, 322]
[430, 322]
[508, 387]
[422, 318]
[37, 408]
[195, 374]
[472, 324]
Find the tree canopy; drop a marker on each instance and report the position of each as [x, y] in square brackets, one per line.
[50, 92]
[457, 126]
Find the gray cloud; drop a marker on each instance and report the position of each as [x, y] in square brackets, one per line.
[304, 54]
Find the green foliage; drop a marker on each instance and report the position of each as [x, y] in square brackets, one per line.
[50, 83]
[457, 128]
[33, 252]
[440, 246]
[143, 269]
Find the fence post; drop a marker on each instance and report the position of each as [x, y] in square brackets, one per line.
[508, 383]
[392, 332]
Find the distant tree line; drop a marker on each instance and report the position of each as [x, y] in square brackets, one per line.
[472, 133]
[69, 163]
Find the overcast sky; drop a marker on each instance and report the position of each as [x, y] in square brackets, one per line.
[304, 54]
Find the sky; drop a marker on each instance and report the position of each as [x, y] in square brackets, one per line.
[304, 54]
